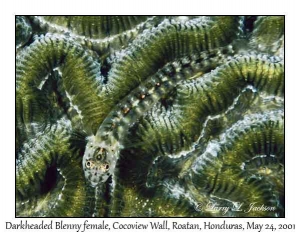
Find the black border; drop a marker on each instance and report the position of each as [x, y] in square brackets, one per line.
[171, 216]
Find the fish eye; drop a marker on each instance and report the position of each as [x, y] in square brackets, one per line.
[88, 164]
[100, 153]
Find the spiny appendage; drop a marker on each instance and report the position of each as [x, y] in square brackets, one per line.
[216, 91]
[263, 132]
[80, 84]
[46, 174]
[103, 34]
[151, 90]
[51, 51]
[115, 127]
[210, 94]
[131, 203]
[170, 40]
[38, 108]
[268, 33]
[83, 84]
[232, 144]
[266, 73]
[23, 31]
[64, 100]
[95, 27]
[209, 171]
[145, 92]
[32, 111]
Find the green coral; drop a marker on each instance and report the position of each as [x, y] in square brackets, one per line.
[197, 103]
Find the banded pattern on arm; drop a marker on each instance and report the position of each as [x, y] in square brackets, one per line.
[103, 149]
[206, 96]
[268, 34]
[157, 86]
[160, 45]
[103, 34]
[49, 181]
[80, 77]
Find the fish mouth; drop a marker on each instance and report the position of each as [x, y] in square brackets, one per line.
[95, 181]
[94, 184]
